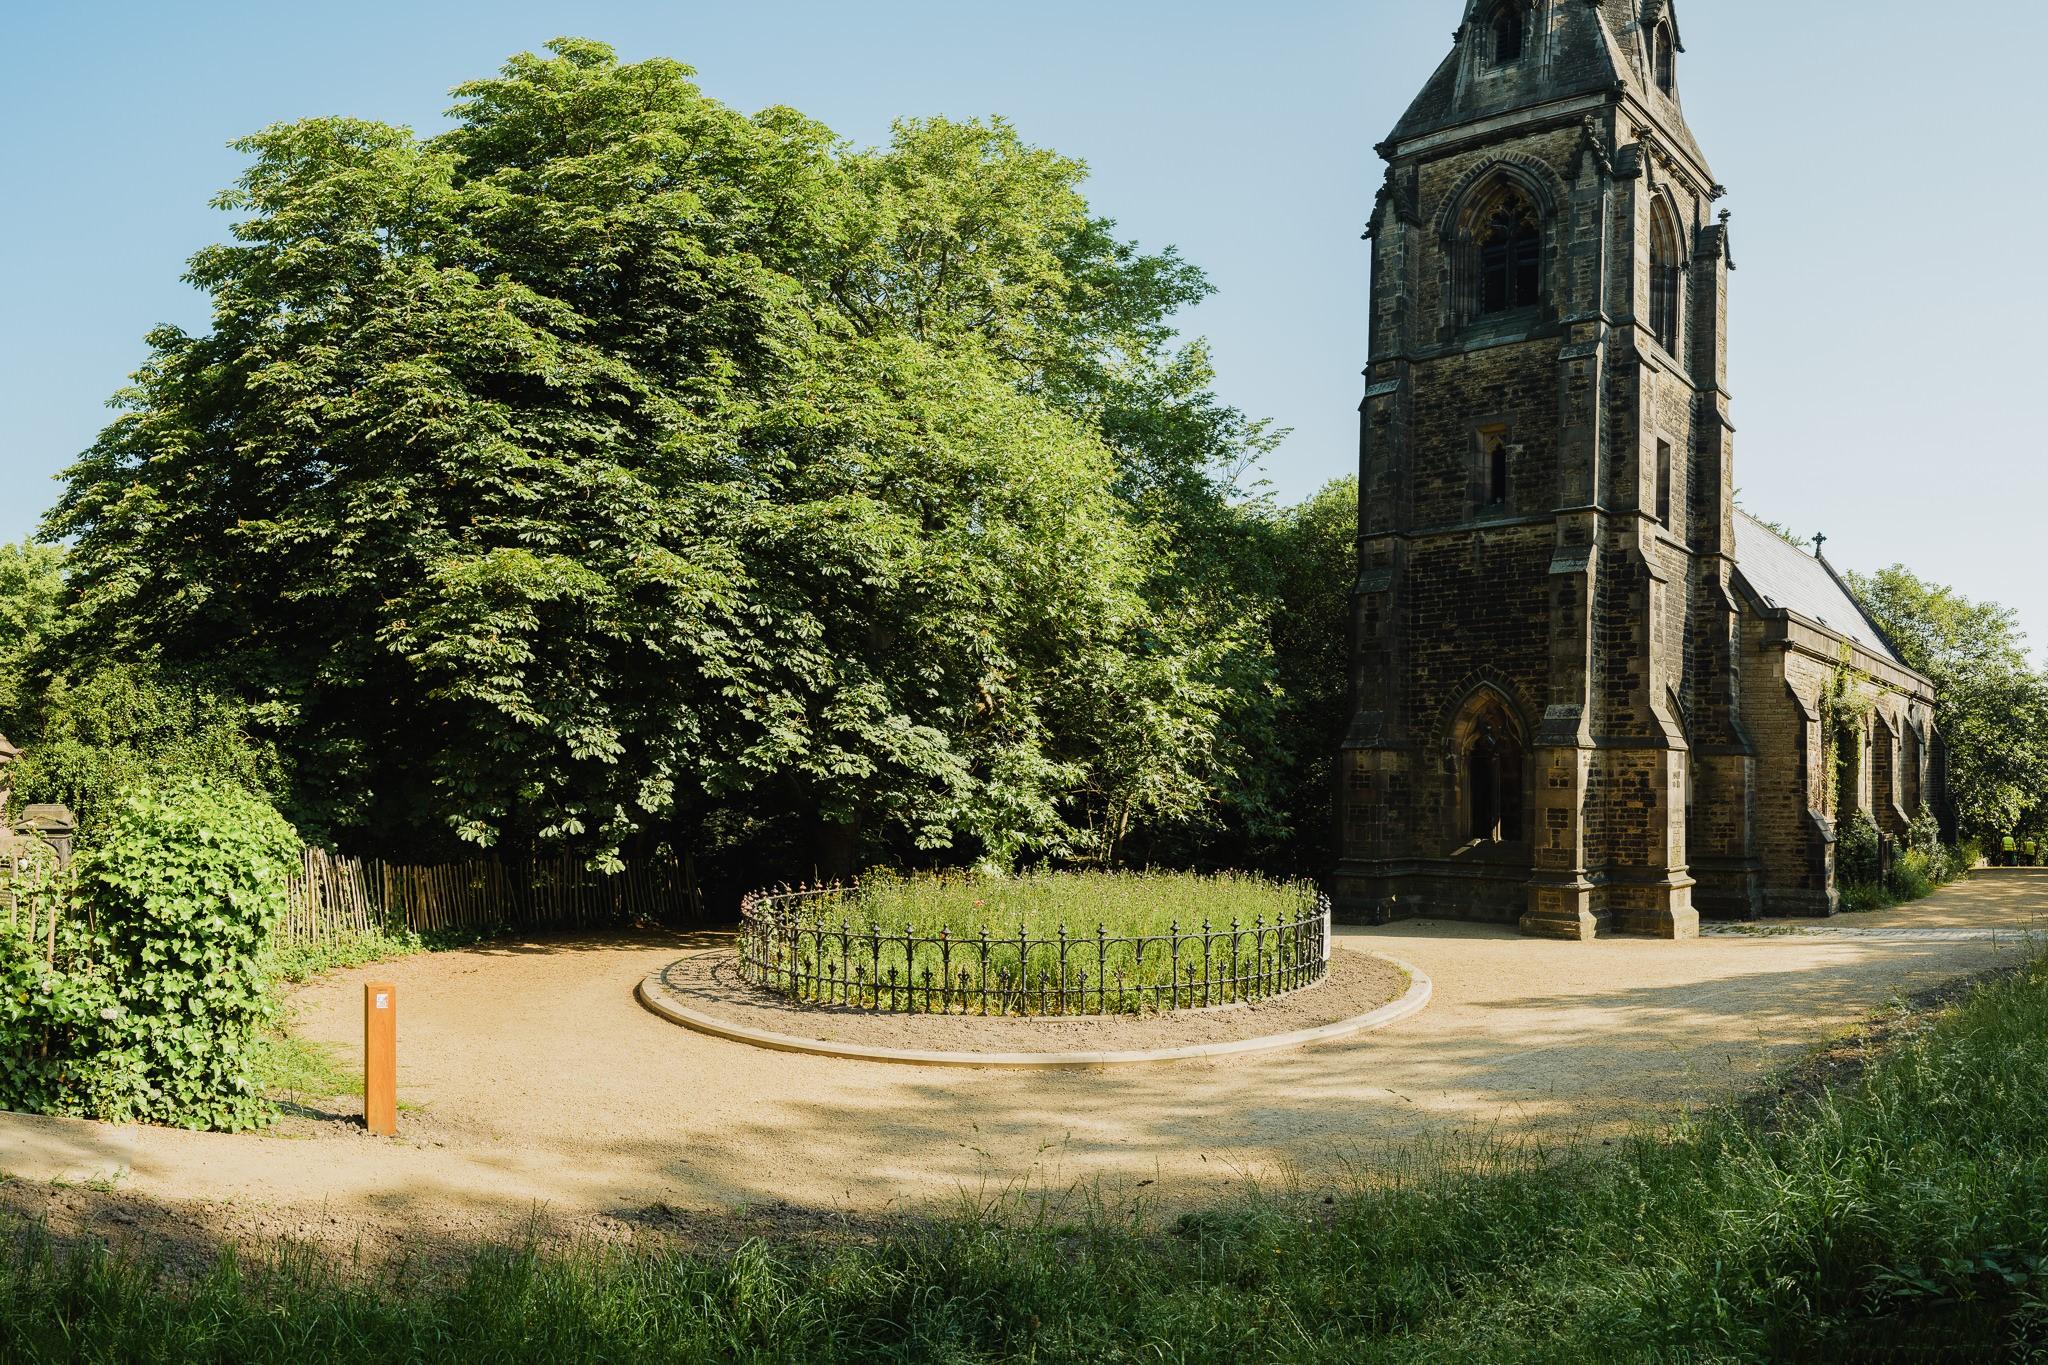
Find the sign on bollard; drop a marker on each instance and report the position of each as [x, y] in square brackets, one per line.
[380, 1059]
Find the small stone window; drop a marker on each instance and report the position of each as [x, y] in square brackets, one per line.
[1509, 34]
[1496, 472]
[1510, 241]
[1664, 482]
[1664, 59]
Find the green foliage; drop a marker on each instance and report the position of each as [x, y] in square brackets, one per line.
[31, 598]
[128, 727]
[288, 1069]
[1843, 708]
[1041, 904]
[1315, 560]
[1856, 853]
[292, 961]
[1993, 702]
[54, 999]
[185, 887]
[687, 473]
[1089, 907]
[1921, 864]
[1900, 1212]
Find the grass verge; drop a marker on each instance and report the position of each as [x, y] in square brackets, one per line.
[291, 962]
[292, 1071]
[1898, 1212]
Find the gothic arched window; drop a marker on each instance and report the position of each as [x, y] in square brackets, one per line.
[1664, 59]
[1493, 779]
[1664, 277]
[1510, 242]
[1508, 34]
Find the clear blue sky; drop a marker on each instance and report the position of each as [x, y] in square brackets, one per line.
[1883, 160]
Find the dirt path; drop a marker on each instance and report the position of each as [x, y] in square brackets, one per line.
[537, 1082]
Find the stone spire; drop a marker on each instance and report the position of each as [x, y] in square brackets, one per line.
[1572, 50]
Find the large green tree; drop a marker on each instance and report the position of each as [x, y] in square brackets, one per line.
[1993, 702]
[31, 599]
[616, 465]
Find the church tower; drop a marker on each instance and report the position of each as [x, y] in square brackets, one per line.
[1546, 661]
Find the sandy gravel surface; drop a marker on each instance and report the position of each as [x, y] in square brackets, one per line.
[534, 1081]
[1357, 983]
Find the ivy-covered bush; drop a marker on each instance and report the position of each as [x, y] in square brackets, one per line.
[1925, 835]
[53, 1005]
[1856, 850]
[1923, 863]
[184, 887]
[49, 1017]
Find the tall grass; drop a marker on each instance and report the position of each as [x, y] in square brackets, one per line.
[1127, 904]
[1907, 1209]
[1048, 943]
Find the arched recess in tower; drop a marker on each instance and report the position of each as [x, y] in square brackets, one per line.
[1490, 758]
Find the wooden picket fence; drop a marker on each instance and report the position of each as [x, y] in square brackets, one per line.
[31, 894]
[335, 896]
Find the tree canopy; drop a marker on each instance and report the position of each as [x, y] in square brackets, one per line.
[1993, 702]
[617, 467]
[31, 597]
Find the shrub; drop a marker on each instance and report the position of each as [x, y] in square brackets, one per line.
[292, 961]
[47, 1016]
[124, 728]
[186, 886]
[1856, 849]
[1925, 834]
[1917, 873]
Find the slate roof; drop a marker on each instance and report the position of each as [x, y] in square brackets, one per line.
[1780, 574]
[1596, 53]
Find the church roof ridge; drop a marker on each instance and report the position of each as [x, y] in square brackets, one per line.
[1784, 576]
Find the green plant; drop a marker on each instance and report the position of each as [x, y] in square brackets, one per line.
[288, 1068]
[1856, 850]
[31, 598]
[50, 1019]
[1009, 929]
[289, 961]
[1925, 834]
[1843, 707]
[53, 994]
[1900, 1211]
[124, 727]
[186, 887]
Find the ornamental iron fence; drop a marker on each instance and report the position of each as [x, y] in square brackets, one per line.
[803, 946]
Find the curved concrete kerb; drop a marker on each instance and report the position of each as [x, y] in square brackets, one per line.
[654, 994]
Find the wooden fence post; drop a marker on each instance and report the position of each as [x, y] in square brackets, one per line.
[380, 1058]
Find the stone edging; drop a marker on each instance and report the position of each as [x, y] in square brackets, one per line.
[656, 998]
[1852, 933]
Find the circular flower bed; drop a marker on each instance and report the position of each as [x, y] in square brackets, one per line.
[1057, 944]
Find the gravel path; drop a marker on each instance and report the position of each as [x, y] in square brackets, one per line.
[533, 1080]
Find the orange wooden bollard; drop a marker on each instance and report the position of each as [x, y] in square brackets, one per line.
[380, 1059]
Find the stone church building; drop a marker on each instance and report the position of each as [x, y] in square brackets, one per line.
[1591, 695]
